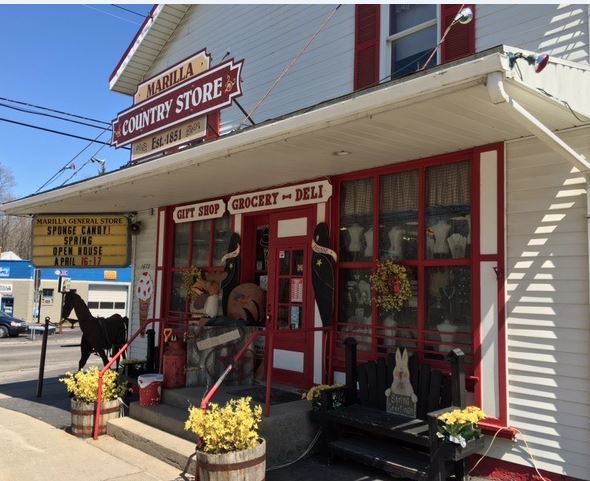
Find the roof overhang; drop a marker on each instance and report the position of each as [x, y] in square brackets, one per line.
[146, 46]
[445, 109]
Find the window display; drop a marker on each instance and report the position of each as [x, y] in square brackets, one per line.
[398, 216]
[356, 220]
[448, 226]
[423, 222]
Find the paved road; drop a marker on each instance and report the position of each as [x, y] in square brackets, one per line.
[19, 371]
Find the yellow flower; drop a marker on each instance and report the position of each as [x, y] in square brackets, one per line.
[83, 385]
[233, 427]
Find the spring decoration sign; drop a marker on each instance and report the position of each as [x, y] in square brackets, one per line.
[391, 286]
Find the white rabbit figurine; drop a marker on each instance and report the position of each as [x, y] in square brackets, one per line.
[401, 377]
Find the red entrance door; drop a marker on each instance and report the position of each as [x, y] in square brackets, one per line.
[290, 296]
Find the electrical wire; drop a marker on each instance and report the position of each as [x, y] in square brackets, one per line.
[54, 176]
[288, 67]
[442, 39]
[29, 111]
[82, 166]
[27, 104]
[305, 453]
[128, 10]
[533, 461]
[59, 132]
[112, 15]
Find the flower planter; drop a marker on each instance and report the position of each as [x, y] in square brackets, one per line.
[457, 453]
[245, 465]
[83, 416]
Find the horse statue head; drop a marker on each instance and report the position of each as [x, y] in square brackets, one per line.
[70, 299]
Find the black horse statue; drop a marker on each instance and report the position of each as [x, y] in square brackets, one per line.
[98, 334]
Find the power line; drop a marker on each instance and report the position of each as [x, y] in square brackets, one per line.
[59, 132]
[128, 10]
[82, 166]
[70, 161]
[26, 104]
[20, 109]
[112, 15]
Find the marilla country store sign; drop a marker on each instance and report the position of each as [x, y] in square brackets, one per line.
[81, 241]
[173, 99]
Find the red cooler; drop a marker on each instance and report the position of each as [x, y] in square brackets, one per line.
[150, 389]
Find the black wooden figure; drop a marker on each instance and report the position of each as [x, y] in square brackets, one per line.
[98, 334]
[323, 276]
[232, 269]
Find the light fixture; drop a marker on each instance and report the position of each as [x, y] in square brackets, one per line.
[464, 16]
[102, 169]
[341, 153]
[69, 167]
[539, 61]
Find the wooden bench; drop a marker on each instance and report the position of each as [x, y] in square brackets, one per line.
[357, 427]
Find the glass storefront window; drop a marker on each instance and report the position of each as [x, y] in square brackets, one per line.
[398, 216]
[199, 244]
[356, 319]
[448, 211]
[423, 222]
[356, 220]
[181, 235]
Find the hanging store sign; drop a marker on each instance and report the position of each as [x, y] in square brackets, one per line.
[290, 196]
[81, 241]
[205, 210]
[180, 134]
[176, 74]
[205, 93]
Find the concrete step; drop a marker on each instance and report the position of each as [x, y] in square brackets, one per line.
[165, 417]
[288, 430]
[159, 444]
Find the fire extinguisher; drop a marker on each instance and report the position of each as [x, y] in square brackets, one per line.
[173, 360]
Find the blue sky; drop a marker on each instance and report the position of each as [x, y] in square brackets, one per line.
[60, 56]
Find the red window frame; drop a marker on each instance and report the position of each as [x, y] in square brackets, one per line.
[421, 263]
[170, 269]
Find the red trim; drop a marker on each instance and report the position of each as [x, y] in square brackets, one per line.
[502, 351]
[476, 274]
[460, 41]
[499, 470]
[366, 45]
[491, 427]
[137, 34]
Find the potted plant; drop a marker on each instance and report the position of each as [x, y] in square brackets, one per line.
[326, 396]
[460, 430]
[83, 387]
[228, 441]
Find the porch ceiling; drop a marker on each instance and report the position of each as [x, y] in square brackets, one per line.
[442, 111]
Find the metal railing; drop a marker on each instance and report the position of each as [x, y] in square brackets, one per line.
[269, 334]
[98, 411]
[269, 348]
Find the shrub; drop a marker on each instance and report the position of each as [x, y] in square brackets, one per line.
[83, 385]
[233, 427]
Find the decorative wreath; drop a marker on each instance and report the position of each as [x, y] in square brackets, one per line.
[189, 277]
[391, 286]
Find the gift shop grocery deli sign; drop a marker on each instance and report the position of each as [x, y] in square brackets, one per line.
[281, 197]
[207, 92]
[81, 241]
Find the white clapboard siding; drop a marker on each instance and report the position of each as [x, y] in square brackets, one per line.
[145, 260]
[267, 37]
[548, 322]
[559, 30]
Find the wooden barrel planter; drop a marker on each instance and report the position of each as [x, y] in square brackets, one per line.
[246, 465]
[83, 417]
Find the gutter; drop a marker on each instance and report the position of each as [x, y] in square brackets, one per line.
[498, 95]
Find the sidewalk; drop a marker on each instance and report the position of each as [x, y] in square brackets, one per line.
[35, 451]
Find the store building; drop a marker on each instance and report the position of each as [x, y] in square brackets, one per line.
[106, 291]
[471, 173]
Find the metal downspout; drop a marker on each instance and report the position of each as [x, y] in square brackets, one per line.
[498, 95]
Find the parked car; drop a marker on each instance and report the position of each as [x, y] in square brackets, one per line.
[10, 326]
